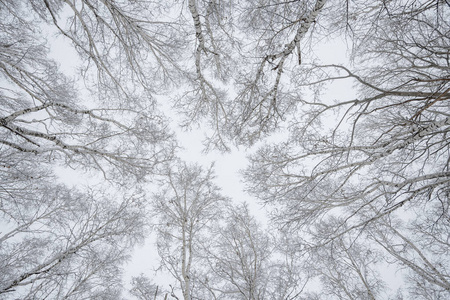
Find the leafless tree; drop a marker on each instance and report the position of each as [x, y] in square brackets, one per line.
[42, 113]
[186, 205]
[246, 262]
[210, 34]
[246, 69]
[387, 152]
[240, 258]
[347, 267]
[421, 248]
[67, 245]
[57, 241]
[389, 143]
[277, 32]
[144, 289]
[243, 46]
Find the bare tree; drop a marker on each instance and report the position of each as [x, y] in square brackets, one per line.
[347, 267]
[64, 244]
[389, 143]
[240, 257]
[387, 151]
[243, 46]
[277, 31]
[57, 241]
[422, 249]
[144, 289]
[246, 262]
[187, 204]
[210, 29]
[42, 112]
[246, 69]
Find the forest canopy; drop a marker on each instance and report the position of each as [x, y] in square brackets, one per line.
[358, 180]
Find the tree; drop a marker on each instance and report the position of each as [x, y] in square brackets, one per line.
[143, 288]
[347, 266]
[204, 100]
[187, 203]
[245, 45]
[421, 249]
[348, 164]
[58, 241]
[264, 98]
[246, 262]
[387, 152]
[66, 244]
[239, 259]
[42, 114]
[246, 69]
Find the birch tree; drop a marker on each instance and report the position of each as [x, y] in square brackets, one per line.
[347, 267]
[212, 45]
[422, 249]
[245, 69]
[277, 32]
[58, 241]
[186, 205]
[245, 261]
[243, 46]
[63, 244]
[389, 147]
[240, 258]
[389, 143]
[42, 111]
[386, 153]
[144, 289]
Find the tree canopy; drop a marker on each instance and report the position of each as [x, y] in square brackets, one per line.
[359, 181]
